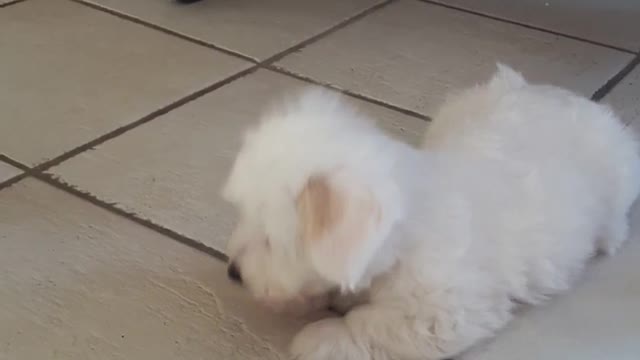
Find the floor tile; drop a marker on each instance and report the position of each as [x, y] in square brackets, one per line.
[613, 22]
[77, 282]
[171, 171]
[596, 320]
[7, 171]
[625, 98]
[412, 54]
[74, 73]
[254, 28]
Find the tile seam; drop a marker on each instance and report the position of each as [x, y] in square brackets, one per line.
[9, 3]
[16, 164]
[39, 171]
[330, 30]
[25, 170]
[352, 94]
[145, 119]
[528, 26]
[267, 63]
[193, 96]
[164, 30]
[610, 84]
[128, 215]
[94, 200]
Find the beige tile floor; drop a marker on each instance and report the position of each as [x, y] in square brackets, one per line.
[119, 119]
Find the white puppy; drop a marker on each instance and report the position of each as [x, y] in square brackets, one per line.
[517, 186]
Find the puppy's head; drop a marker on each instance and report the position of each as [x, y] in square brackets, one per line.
[315, 204]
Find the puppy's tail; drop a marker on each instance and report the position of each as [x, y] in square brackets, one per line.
[506, 79]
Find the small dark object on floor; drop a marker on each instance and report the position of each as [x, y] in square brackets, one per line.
[187, 1]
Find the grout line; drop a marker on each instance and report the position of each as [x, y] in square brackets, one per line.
[262, 64]
[267, 63]
[349, 93]
[38, 171]
[350, 20]
[200, 42]
[14, 179]
[164, 30]
[532, 27]
[83, 195]
[86, 196]
[125, 128]
[14, 163]
[615, 80]
[13, 2]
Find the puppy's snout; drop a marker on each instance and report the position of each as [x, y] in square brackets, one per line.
[234, 273]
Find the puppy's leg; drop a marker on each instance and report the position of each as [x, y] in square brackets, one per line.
[328, 339]
[405, 333]
[398, 331]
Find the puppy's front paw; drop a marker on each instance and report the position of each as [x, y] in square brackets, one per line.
[328, 339]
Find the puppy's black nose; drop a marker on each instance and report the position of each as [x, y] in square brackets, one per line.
[234, 273]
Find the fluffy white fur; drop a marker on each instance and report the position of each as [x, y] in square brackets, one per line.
[516, 187]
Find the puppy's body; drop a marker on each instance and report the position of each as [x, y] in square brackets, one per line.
[516, 188]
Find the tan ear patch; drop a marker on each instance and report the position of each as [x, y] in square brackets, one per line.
[338, 217]
[319, 208]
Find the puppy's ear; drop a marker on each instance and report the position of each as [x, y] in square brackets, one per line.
[339, 222]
